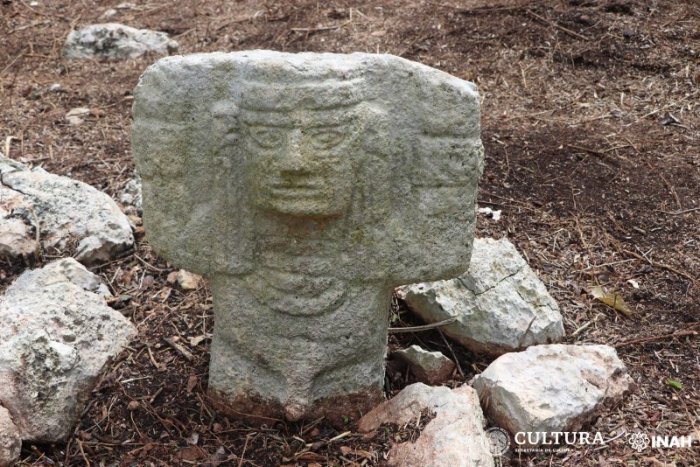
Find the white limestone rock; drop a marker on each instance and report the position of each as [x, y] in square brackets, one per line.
[499, 303]
[62, 210]
[130, 196]
[57, 334]
[10, 440]
[454, 438]
[75, 116]
[17, 226]
[185, 279]
[551, 388]
[109, 13]
[428, 367]
[117, 42]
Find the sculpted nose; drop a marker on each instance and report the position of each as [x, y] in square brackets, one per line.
[294, 160]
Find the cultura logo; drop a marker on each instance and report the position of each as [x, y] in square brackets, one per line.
[638, 441]
[499, 441]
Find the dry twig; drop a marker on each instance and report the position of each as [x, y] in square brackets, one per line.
[558, 26]
[424, 327]
[647, 340]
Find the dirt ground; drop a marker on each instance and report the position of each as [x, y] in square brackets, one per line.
[591, 118]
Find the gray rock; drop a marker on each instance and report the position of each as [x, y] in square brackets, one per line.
[454, 438]
[108, 13]
[427, 367]
[10, 440]
[62, 210]
[56, 336]
[551, 388]
[499, 303]
[74, 116]
[116, 41]
[304, 187]
[17, 226]
[131, 196]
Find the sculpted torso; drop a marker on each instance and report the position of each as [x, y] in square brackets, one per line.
[301, 171]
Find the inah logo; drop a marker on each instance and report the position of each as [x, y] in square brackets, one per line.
[672, 441]
[638, 441]
[499, 441]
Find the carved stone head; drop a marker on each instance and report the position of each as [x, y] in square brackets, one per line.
[386, 150]
[300, 152]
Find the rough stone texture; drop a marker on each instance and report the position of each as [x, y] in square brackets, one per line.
[551, 387]
[10, 440]
[499, 303]
[454, 438]
[427, 367]
[57, 333]
[131, 196]
[186, 280]
[17, 226]
[305, 187]
[116, 41]
[64, 210]
[74, 116]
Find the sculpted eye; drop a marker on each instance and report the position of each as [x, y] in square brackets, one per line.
[267, 136]
[326, 138]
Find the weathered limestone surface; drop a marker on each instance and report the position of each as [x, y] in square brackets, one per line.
[10, 440]
[17, 228]
[60, 210]
[130, 196]
[552, 388]
[428, 367]
[454, 438]
[56, 335]
[305, 187]
[500, 304]
[116, 41]
[186, 280]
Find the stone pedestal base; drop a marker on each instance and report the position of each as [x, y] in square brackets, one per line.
[337, 410]
[267, 364]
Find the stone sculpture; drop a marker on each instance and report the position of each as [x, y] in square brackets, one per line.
[305, 187]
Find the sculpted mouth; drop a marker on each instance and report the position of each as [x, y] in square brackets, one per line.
[295, 190]
[297, 185]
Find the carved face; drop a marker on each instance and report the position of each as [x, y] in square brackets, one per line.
[301, 163]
